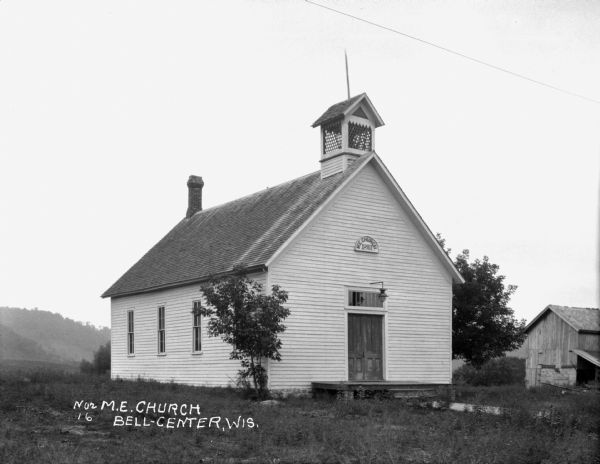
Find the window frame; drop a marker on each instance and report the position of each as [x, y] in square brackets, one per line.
[196, 328]
[376, 291]
[366, 310]
[161, 330]
[130, 333]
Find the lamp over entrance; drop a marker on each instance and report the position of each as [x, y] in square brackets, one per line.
[382, 291]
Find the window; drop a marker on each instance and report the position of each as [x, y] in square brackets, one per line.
[130, 349]
[196, 339]
[161, 329]
[361, 298]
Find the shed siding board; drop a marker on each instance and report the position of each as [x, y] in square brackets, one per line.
[331, 166]
[550, 341]
[210, 368]
[320, 264]
[589, 342]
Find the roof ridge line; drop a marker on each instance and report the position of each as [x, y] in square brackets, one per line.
[299, 200]
[255, 193]
[556, 309]
[574, 307]
[266, 233]
[361, 161]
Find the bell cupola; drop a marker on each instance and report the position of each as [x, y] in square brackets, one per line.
[347, 132]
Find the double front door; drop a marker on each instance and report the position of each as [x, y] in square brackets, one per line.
[365, 347]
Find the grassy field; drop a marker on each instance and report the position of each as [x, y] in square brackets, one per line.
[38, 424]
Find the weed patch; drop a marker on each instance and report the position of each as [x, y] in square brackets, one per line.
[38, 424]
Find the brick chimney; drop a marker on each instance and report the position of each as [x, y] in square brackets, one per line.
[195, 184]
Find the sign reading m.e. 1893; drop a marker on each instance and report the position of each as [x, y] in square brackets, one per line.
[367, 244]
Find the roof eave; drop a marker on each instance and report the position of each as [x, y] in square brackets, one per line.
[588, 356]
[378, 121]
[321, 207]
[445, 259]
[199, 280]
[569, 323]
[536, 318]
[457, 278]
[359, 99]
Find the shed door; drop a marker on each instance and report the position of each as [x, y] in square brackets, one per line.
[365, 347]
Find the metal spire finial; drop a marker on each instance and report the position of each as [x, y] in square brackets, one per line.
[347, 76]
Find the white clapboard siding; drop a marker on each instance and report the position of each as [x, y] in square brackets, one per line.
[212, 367]
[320, 264]
[332, 166]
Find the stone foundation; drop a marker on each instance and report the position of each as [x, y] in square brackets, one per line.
[559, 376]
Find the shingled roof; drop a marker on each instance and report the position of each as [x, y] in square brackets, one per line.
[248, 230]
[337, 111]
[581, 319]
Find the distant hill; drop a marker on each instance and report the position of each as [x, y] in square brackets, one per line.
[15, 347]
[34, 335]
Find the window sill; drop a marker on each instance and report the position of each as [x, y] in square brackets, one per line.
[366, 309]
[131, 355]
[161, 354]
[197, 353]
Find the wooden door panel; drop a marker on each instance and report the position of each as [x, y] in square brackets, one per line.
[365, 347]
[355, 352]
[374, 370]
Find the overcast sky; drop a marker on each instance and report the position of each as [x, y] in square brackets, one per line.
[107, 107]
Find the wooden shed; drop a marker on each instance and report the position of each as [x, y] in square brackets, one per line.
[563, 347]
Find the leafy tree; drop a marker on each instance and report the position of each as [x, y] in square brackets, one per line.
[483, 326]
[249, 320]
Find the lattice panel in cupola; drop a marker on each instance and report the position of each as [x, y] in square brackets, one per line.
[332, 136]
[359, 136]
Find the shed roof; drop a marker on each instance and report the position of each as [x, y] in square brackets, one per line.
[581, 319]
[591, 356]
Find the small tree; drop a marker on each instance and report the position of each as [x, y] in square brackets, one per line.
[249, 320]
[483, 325]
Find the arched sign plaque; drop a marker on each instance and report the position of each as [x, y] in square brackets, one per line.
[367, 244]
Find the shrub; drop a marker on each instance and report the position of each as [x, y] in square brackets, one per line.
[86, 367]
[100, 364]
[499, 371]
[102, 359]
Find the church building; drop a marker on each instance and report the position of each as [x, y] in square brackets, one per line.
[370, 288]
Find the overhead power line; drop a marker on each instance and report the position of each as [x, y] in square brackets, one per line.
[453, 52]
